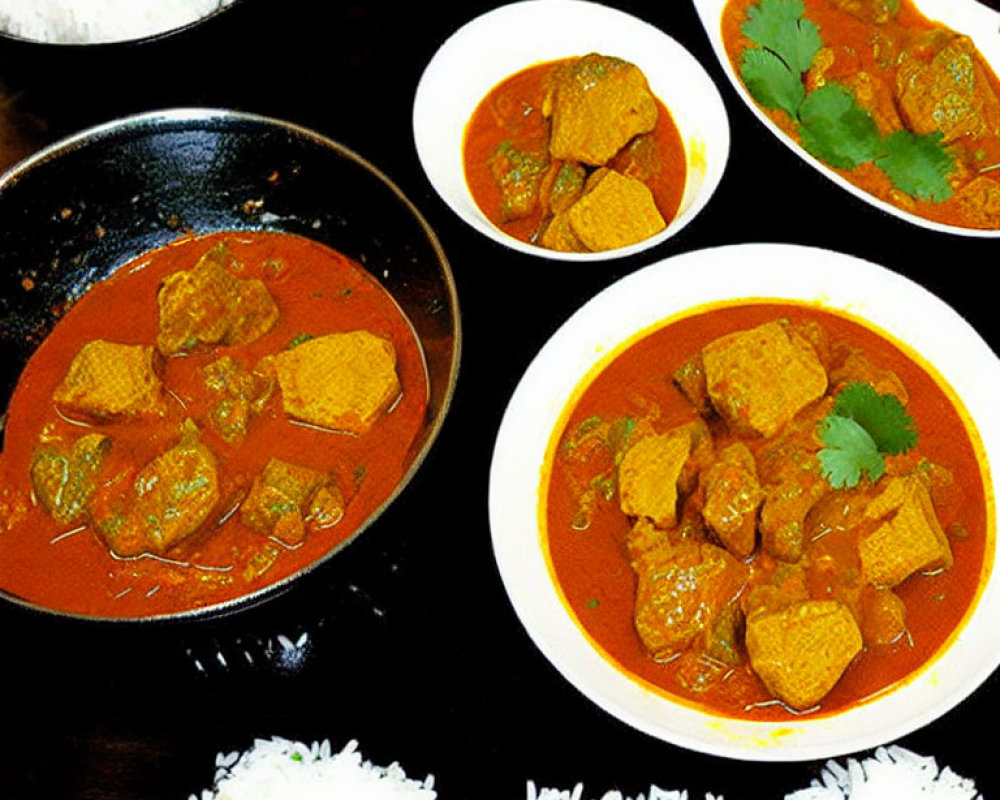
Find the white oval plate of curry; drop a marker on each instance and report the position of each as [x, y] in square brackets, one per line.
[641, 302]
[968, 17]
[508, 39]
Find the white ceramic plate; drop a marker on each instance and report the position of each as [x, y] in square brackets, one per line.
[511, 38]
[895, 305]
[964, 16]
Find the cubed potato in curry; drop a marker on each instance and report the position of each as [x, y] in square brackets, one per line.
[110, 381]
[680, 593]
[614, 211]
[597, 104]
[166, 501]
[285, 498]
[802, 651]
[206, 305]
[908, 539]
[342, 381]
[759, 379]
[64, 475]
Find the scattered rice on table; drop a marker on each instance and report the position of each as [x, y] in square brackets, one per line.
[278, 768]
[90, 21]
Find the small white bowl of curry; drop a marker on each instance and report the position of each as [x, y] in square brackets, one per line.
[569, 130]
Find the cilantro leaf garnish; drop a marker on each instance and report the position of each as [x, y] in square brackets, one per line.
[881, 415]
[849, 452]
[918, 165]
[835, 129]
[770, 81]
[862, 426]
[779, 26]
[832, 124]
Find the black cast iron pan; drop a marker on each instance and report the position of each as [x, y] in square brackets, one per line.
[76, 211]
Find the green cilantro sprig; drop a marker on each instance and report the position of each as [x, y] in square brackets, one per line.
[862, 427]
[833, 126]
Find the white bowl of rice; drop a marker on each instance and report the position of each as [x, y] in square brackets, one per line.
[87, 22]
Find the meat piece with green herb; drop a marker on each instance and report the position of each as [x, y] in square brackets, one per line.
[597, 104]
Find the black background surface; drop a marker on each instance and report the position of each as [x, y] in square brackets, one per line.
[411, 644]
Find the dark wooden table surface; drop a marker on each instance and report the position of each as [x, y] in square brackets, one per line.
[406, 641]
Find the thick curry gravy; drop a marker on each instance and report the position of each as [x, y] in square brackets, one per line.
[318, 291]
[597, 584]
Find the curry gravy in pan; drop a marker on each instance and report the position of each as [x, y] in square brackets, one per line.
[216, 416]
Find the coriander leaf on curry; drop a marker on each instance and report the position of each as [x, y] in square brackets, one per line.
[795, 521]
[900, 106]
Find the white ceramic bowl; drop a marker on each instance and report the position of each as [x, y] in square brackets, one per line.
[511, 38]
[894, 305]
[970, 17]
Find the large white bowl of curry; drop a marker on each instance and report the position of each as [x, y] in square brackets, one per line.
[896, 102]
[749, 510]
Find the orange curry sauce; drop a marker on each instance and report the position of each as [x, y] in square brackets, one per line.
[838, 29]
[512, 112]
[598, 585]
[318, 291]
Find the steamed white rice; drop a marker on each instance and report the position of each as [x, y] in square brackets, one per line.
[91, 21]
[280, 769]
[891, 773]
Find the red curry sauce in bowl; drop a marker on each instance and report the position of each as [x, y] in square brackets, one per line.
[796, 643]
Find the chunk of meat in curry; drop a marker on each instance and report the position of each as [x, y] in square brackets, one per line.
[163, 503]
[207, 305]
[614, 211]
[110, 381]
[286, 500]
[341, 381]
[597, 104]
[742, 551]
